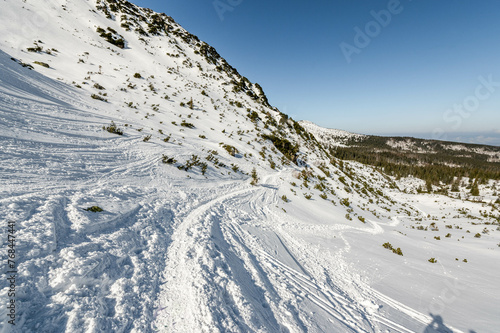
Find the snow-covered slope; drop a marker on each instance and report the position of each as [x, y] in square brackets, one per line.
[184, 241]
[333, 137]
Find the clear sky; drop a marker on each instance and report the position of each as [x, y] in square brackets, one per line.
[423, 67]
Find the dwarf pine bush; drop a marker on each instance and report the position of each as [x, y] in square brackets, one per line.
[36, 49]
[168, 160]
[98, 97]
[94, 209]
[108, 36]
[112, 128]
[98, 86]
[345, 202]
[194, 161]
[397, 251]
[230, 149]
[43, 64]
[186, 124]
[255, 177]
[254, 116]
[287, 148]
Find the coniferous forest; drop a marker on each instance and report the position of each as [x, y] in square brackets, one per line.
[433, 161]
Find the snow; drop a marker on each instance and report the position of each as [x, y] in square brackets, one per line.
[177, 251]
[334, 137]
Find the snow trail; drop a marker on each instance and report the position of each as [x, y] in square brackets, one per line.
[218, 268]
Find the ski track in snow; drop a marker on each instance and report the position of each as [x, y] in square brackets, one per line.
[216, 270]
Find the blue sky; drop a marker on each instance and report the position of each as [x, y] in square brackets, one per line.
[427, 68]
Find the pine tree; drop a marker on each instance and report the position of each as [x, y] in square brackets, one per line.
[429, 186]
[474, 191]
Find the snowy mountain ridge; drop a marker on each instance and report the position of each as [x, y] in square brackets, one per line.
[330, 136]
[154, 188]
